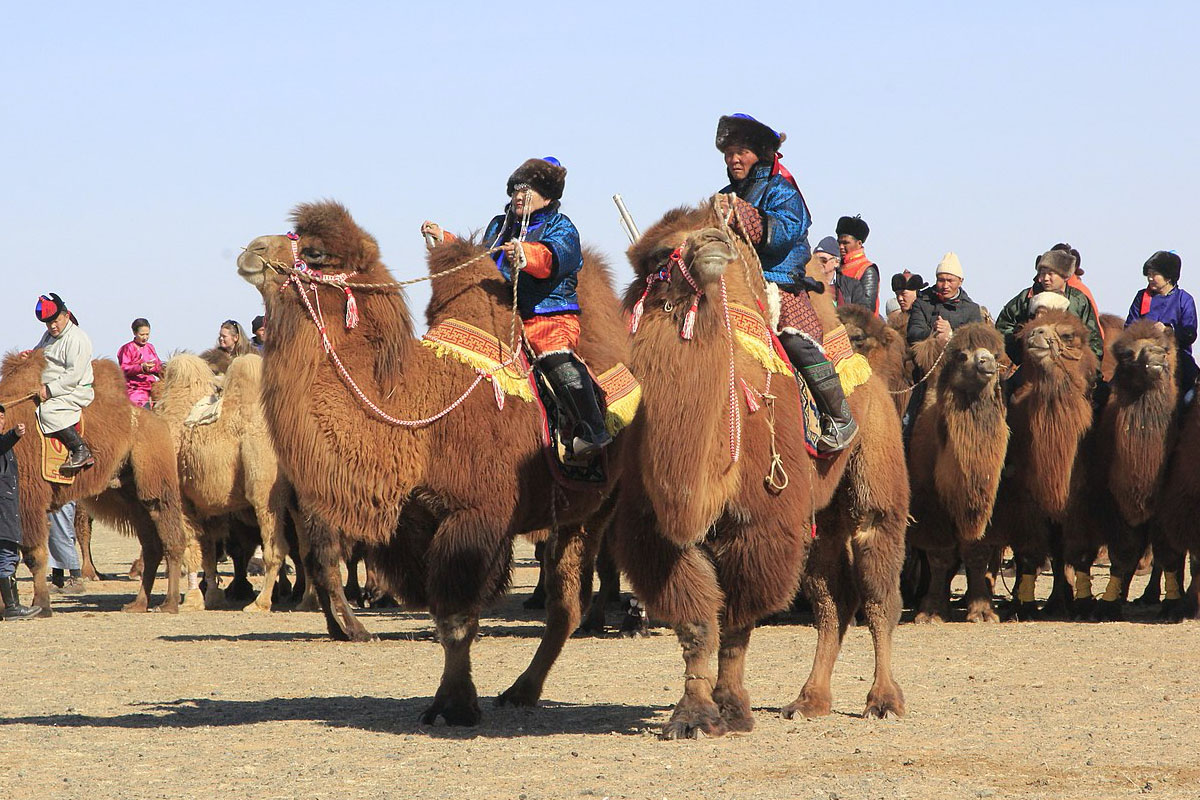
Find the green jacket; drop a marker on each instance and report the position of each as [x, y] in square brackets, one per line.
[1016, 314]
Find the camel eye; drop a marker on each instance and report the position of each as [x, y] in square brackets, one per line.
[312, 254]
[1068, 337]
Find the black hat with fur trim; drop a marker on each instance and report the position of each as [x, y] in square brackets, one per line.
[546, 176]
[913, 281]
[743, 130]
[854, 226]
[1165, 263]
[1060, 262]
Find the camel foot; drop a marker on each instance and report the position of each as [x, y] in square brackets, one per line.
[809, 705]
[193, 601]
[167, 607]
[735, 709]
[593, 624]
[1057, 608]
[137, 606]
[522, 694]
[309, 603]
[45, 612]
[1109, 611]
[462, 710]
[1083, 608]
[1173, 610]
[884, 702]
[929, 618]
[215, 599]
[240, 590]
[982, 612]
[255, 608]
[694, 720]
[535, 601]
[1024, 612]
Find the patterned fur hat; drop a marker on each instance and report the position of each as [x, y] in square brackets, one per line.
[854, 226]
[545, 176]
[1059, 262]
[745, 131]
[1165, 263]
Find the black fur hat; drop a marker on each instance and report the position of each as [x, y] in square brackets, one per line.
[913, 281]
[854, 226]
[1165, 263]
[745, 131]
[545, 176]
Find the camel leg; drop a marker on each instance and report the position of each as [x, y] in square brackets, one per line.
[353, 590]
[37, 559]
[152, 556]
[563, 565]
[825, 582]
[697, 714]
[323, 567]
[981, 581]
[1125, 548]
[213, 531]
[83, 536]
[309, 600]
[877, 548]
[935, 605]
[596, 618]
[1170, 562]
[1062, 593]
[456, 700]
[274, 550]
[730, 693]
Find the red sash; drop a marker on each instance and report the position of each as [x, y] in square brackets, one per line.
[779, 169]
[1144, 308]
[1078, 284]
[855, 264]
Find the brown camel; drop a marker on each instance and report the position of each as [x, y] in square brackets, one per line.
[134, 484]
[1111, 326]
[884, 348]
[1049, 416]
[707, 544]
[1133, 440]
[437, 504]
[1178, 510]
[955, 460]
[226, 466]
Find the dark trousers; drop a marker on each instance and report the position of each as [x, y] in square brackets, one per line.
[10, 557]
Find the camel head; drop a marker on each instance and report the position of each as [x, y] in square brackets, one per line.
[1057, 342]
[972, 361]
[1145, 358]
[329, 240]
[868, 333]
[681, 259]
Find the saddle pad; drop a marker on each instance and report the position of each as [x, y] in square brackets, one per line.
[484, 351]
[54, 455]
[622, 394]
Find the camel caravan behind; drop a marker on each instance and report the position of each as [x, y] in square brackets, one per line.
[134, 484]
[955, 459]
[401, 446]
[710, 532]
[227, 462]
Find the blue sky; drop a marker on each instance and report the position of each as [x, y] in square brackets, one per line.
[144, 143]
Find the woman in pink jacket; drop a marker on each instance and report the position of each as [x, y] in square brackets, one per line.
[140, 363]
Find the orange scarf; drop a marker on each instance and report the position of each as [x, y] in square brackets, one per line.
[856, 263]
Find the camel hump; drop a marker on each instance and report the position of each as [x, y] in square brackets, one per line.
[186, 369]
[244, 378]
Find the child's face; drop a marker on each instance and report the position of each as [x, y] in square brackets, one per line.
[142, 335]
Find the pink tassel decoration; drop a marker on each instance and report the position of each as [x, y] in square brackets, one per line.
[635, 318]
[351, 309]
[689, 321]
[751, 403]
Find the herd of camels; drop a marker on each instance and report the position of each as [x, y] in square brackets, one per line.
[326, 435]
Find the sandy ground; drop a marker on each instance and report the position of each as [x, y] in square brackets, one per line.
[102, 704]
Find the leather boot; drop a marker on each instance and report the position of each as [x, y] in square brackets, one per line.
[838, 427]
[573, 389]
[12, 604]
[79, 457]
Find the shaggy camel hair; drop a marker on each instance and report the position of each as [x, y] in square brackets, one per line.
[1132, 442]
[227, 466]
[1049, 415]
[707, 545]
[134, 484]
[883, 347]
[436, 505]
[1178, 509]
[1111, 326]
[955, 460]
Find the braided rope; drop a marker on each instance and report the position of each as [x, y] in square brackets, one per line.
[735, 410]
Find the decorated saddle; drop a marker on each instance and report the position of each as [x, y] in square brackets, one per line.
[54, 455]
[511, 375]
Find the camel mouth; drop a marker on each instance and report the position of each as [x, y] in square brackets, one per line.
[711, 252]
[252, 263]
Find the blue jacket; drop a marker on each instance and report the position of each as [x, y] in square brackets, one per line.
[784, 249]
[1176, 310]
[556, 293]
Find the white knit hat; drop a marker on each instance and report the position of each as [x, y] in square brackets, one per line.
[1051, 301]
[949, 266]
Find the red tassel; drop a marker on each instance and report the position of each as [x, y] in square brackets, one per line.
[635, 318]
[751, 402]
[351, 309]
[689, 322]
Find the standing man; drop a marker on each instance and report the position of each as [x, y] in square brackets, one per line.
[771, 211]
[851, 233]
[10, 526]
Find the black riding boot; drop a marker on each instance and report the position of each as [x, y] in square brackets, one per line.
[838, 427]
[79, 457]
[575, 394]
[12, 603]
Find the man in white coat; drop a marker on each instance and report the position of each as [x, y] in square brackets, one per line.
[66, 379]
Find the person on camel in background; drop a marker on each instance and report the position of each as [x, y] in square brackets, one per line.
[10, 525]
[905, 286]
[846, 290]
[1171, 307]
[771, 211]
[1054, 270]
[851, 233]
[259, 328]
[1075, 280]
[66, 380]
[140, 363]
[549, 256]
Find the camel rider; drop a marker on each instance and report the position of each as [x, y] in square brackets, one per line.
[851, 233]
[846, 290]
[1054, 271]
[772, 212]
[1171, 307]
[549, 257]
[66, 380]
